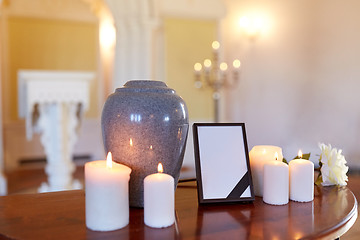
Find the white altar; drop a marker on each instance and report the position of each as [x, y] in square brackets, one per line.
[53, 103]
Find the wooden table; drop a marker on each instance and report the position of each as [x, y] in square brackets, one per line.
[61, 215]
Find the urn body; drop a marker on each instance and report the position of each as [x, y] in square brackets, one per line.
[145, 123]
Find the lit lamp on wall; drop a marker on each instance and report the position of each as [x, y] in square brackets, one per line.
[253, 26]
[216, 76]
[107, 40]
[107, 34]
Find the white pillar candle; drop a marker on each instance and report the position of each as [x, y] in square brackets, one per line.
[301, 180]
[159, 203]
[258, 156]
[276, 183]
[106, 195]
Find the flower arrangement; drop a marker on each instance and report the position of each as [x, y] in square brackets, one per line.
[333, 167]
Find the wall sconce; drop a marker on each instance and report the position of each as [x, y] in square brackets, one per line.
[252, 26]
[107, 34]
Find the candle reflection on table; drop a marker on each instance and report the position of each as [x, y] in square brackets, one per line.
[229, 223]
[169, 233]
[253, 220]
[300, 227]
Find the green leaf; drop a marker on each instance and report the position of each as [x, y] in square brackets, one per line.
[304, 156]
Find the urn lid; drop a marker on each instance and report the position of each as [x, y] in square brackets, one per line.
[145, 86]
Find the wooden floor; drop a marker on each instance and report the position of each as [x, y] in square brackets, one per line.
[28, 180]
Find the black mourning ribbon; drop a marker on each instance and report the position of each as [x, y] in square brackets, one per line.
[240, 188]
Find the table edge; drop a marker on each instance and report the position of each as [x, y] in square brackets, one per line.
[342, 227]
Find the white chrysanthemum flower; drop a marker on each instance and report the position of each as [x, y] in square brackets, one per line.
[333, 169]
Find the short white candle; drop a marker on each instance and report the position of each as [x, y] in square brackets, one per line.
[276, 183]
[301, 180]
[159, 203]
[258, 156]
[106, 195]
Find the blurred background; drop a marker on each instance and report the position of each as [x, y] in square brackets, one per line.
[298, 80]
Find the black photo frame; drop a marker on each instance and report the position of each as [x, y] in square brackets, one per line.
[222, 163]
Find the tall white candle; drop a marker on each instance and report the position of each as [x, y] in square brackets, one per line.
[258, 156]
[159, 203]
[276, 183]
[301, 180]
[106, 195]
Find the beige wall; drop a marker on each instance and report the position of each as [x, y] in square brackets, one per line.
[44, 44]
[300, 81]
[189, 41]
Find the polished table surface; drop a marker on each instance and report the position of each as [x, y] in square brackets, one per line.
[61, 215]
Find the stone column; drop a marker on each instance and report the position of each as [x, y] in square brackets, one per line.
[57, 123]
[136, 23]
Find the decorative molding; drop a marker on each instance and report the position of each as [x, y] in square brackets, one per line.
[196, 9]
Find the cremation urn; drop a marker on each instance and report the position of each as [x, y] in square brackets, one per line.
[144, 123]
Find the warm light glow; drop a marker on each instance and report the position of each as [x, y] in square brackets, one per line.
[253, 26]
[215, 45]
[131, 142]
[276, 156]
[300, 154]
[298, 235]
[258, 23]
[109, 160]
[236, 63]
[207, 63]
[107, 34]
[197, 67]
[244, 22]
[160, 168]
[223, 66]
[151, 147]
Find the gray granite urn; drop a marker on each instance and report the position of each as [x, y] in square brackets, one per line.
[145, 123]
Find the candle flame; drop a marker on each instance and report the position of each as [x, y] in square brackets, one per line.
[151, 147]
[276, 156]
[109, 160]
[300, 154]
[131, 142]
[160, 168]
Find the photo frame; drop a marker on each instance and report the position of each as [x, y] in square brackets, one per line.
[222, 163]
